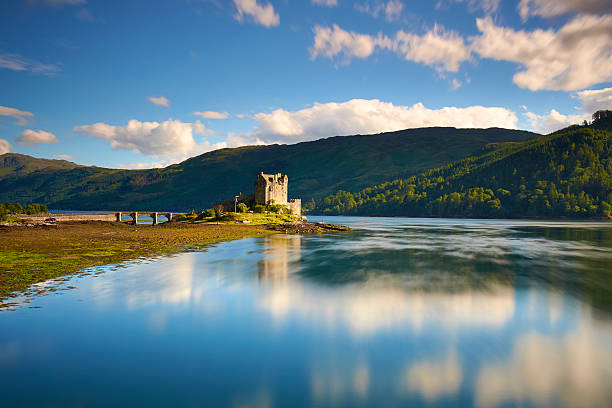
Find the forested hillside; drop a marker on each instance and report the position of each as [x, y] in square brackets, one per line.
[565, 174]
[315, 170]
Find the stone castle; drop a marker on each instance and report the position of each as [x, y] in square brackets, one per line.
[268, 189]
[274, 189]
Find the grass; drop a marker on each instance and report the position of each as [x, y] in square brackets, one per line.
[246, 218]
[30, 255]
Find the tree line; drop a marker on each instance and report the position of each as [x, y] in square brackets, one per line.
[7, 209]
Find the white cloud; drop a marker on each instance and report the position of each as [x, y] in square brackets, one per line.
[212, 115]
[444, 50]
[264, 15]
[5, 147]
[330, 42]
[20, 115]
[172, 138]
[553, 121]
[361, 116]
[391, 9]
[551, 8]
[328, 3]
[595, 99]
[160, 101]
[576, 56]
[16, 62]
[31, 137]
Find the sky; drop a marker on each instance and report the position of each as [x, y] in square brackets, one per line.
[149, 83]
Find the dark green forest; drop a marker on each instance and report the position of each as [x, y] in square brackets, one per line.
[564, 174]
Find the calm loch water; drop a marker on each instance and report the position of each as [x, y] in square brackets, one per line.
[402, 312]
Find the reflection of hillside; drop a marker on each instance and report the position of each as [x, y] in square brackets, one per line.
[572, 260]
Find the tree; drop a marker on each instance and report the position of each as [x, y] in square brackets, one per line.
[242, 208]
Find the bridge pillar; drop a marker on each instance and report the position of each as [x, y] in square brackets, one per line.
[169, 217]
[135, 218]
[119, 216]
[154, 216]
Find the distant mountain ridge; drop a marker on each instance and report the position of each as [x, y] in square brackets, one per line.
[315, 169]
[21, 164]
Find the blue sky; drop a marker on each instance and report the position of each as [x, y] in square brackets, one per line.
[149, 83]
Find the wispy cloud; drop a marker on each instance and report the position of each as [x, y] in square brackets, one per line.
[21, 116]
[552, 8]
[442, 49]
[327, 3]
[264, 15]
[63, 156]
[16, 62]
[212, 115]
[84, 15]
[391, 10]
[160, 101]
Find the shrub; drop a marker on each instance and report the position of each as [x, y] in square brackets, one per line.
[3, 216]
[36, 209]
[210, 213]
[14, 208]
[242, 208]
[259, 209]
[218, 213]
[275, 208]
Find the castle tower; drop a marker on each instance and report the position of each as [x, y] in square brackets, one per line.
[271, 189]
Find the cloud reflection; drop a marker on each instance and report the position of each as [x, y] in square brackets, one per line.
[434, 379]
[573, 370]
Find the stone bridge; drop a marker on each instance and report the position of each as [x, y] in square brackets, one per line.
[103, 216]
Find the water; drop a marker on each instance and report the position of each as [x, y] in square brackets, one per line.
[403, 312]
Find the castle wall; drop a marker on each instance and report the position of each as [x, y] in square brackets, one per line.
[295, 204]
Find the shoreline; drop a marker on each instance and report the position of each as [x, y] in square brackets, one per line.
[33, 253]
[470, 218]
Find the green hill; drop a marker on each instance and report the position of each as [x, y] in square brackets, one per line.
[565, 174]
[315, 169]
